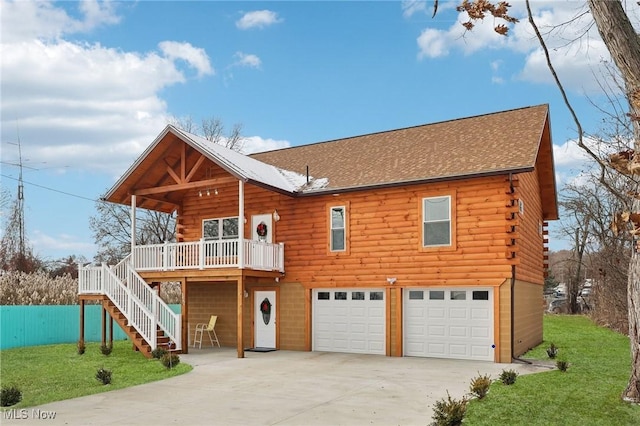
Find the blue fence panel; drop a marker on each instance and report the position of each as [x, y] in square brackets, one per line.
[52, 324]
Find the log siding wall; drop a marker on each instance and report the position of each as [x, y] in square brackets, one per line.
[384, 228]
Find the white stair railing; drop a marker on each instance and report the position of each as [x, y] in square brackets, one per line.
[136, 313]
[169, 321]
[141, 305]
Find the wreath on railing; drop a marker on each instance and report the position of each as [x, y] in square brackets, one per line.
[261, 229]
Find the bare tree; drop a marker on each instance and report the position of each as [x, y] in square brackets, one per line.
[213, 130]
[623, 43]
[16, 253]
[111, 228]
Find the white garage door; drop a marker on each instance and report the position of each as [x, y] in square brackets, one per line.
[449, 323]
[349, 320]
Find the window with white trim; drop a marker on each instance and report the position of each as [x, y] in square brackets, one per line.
[338, 228]
[436, 221]
[225, 228]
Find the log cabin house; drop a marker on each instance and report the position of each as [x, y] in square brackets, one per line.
[426, 241]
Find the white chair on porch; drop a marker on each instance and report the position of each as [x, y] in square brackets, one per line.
[209, 328]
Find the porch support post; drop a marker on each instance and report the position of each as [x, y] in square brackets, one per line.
[241, 224]
[184, 314]
[240, 302]
[133, 229]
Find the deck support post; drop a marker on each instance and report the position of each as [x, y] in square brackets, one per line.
[110, 331]
[81, 340]
[104, 325]
[240, 303]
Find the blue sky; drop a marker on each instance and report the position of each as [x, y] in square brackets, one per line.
[87, 86]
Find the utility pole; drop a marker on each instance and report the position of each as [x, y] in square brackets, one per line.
[20, 206]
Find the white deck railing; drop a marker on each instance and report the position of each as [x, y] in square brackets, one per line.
[140, 304]
[206, 254]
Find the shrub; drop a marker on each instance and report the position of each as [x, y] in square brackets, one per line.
[562, 365]
[158, 353]
[106, 349]
[480, 386]
[449, 411]
[170, 360]
[104, 376]
[81, 347]
[508, 377]
[552, 351]
[10, 395]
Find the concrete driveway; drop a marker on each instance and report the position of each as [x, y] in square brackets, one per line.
[280, 388]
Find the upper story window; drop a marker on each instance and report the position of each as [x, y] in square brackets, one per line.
[338, 228]
[221, 228]
[436, 221]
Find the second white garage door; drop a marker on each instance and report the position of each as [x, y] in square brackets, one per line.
[349, 320]
[449, 323]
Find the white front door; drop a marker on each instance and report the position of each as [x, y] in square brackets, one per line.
[264, 307]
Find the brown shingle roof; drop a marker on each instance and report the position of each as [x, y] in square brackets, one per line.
[501, 142]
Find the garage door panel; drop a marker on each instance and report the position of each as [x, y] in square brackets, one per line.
[481, 352]
[459, 332]
[449, 323]
[436, 331]
[459, 313]
[480, 332]
[436, 313]
[436, 349]
[458, 351]
[480, 314]
[358, 312]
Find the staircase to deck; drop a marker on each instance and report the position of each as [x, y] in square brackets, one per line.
[141, 345]
[135, 306]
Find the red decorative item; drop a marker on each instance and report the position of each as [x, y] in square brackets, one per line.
[265, 309]
[261, 229]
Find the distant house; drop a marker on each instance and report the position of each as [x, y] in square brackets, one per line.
[426, 241]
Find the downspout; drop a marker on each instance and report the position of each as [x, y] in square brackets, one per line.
[513, 282]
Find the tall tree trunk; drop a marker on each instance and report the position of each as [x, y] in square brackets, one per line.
[624, 46]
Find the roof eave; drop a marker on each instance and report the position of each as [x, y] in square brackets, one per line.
[325, 191]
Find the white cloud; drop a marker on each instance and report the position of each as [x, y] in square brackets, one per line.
[576, 49]
[63, 243]
[253, 144]
[78, 104]
[24, 20]
[258, 19]
[194, 56]
[432, 44]
[569, 154]
[410, 7]
[247, 60]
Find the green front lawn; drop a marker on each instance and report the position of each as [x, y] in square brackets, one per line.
[56, 372]
[587, 394]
